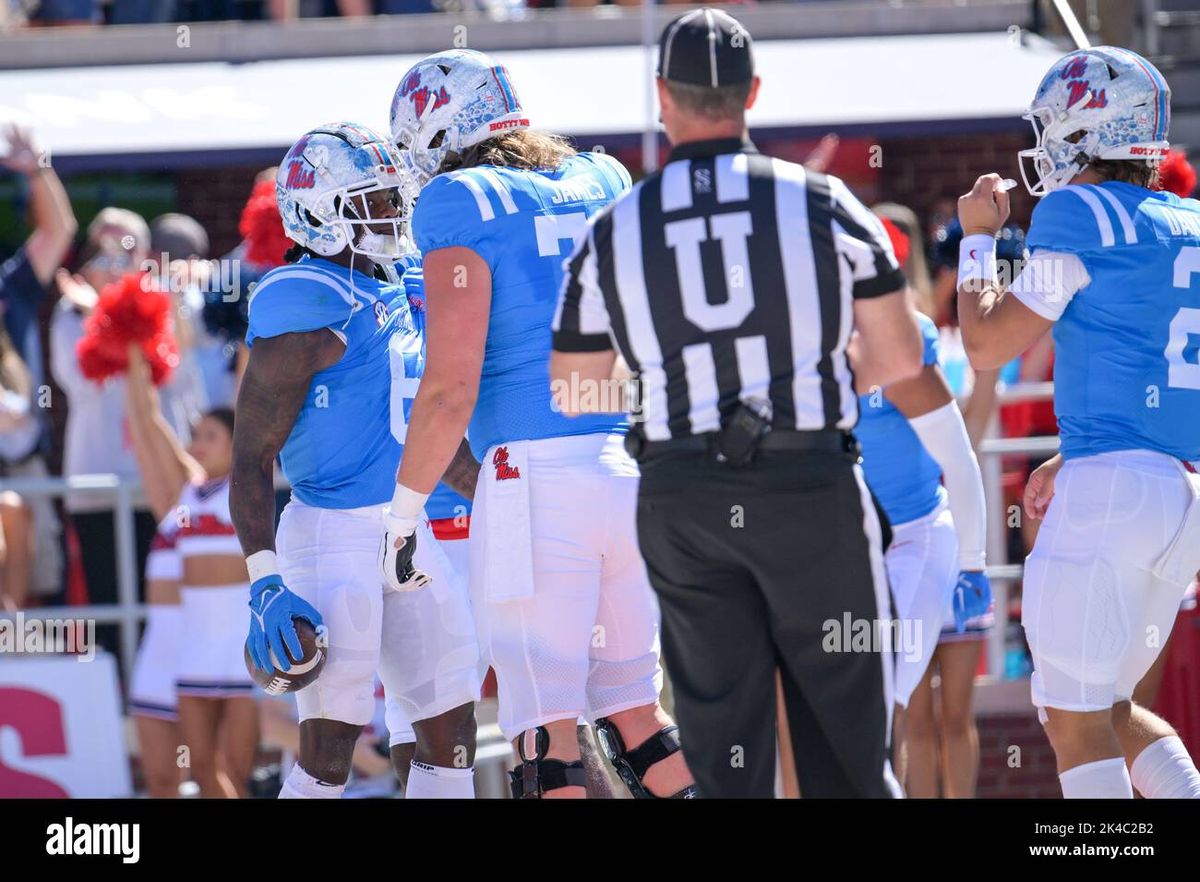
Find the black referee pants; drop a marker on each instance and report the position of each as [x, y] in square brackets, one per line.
[763, 568]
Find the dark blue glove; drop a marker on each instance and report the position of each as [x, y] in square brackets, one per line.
[272, 608]
[972, 597]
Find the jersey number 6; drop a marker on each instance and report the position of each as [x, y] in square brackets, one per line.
[406, 377]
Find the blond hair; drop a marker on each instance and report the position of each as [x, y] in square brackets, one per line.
[524, 148]
[916, 268]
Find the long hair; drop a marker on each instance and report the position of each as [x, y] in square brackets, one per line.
[916, 268]
[524, 149]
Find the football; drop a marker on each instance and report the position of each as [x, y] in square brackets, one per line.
[298, 673]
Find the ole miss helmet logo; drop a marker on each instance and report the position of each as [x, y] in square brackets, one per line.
[420, 95]
[299, 177]
[504, 471]
[1078, 87]
[1076, 69]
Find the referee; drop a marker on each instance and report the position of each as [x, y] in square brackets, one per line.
[732, 284]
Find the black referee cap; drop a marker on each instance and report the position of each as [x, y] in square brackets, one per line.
[706, 47]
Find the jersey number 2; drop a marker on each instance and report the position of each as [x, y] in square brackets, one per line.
[1181, 373]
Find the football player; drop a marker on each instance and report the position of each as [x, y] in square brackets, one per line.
[1115, 270]
[327, 338]
[563, 608]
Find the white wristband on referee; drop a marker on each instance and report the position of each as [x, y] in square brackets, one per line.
[407, 503]
[262, 563]
[977, 260]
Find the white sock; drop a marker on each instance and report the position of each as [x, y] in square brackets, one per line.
[301, 785]
[439, 782]
[1164, 770]
[1104, 779]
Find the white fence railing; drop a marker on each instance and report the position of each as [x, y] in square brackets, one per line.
[125, 494]
[992, 449]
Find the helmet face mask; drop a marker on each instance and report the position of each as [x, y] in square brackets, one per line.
[448, 102]
[1058, 155]
[1101, 103]
[341, 186]
[375, 228]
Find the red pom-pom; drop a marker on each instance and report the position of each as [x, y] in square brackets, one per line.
[162, 355]
[130, 310]
[262, 228]
[900, 243]
[1177, 175]
[98, 358]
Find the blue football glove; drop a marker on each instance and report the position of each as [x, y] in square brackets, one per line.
[972, 597]
[272, 608]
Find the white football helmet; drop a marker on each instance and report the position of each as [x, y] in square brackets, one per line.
[1101, 103]
[317, 180]
[448, 102]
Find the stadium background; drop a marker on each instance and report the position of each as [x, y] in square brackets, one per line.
[181, 116]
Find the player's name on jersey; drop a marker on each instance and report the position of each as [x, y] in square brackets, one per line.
[1181, 223]
[580, 188]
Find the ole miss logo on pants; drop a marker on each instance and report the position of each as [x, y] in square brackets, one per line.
[503, 470]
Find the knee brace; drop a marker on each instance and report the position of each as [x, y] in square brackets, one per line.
[533, 777]
[632, 765]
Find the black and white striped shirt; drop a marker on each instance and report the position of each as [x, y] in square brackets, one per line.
[728, 274]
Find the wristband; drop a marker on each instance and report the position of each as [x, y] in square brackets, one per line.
[262, 564]
[977, 260]
[407, 504]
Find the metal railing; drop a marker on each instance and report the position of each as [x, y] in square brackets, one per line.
[126, 495]
[992, 449]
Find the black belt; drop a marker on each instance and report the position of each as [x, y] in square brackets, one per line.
[824, 440]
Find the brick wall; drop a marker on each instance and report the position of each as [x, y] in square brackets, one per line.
[1032, 774]
[920, 172]
[215, 198]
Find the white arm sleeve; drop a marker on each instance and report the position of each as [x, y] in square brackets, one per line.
[1048, 282]
[944, 435]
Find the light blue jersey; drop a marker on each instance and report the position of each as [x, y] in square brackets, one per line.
[1126, 372]
[443, 502]
[341, 452]
[523, 224]
[905, 479]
